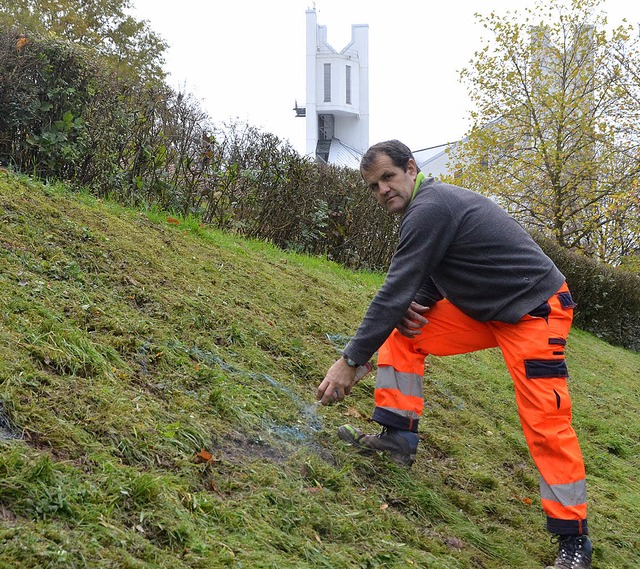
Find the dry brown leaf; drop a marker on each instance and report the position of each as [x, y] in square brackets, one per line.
[204, 456]
[353, 412]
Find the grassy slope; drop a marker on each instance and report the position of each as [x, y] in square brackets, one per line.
[129, 343]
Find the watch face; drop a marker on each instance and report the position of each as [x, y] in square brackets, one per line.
[350, 362]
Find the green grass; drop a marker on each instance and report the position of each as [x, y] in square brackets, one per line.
[129, 344]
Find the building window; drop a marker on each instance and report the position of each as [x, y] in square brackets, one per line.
[327, 82]
[326, 127]
[348, 83]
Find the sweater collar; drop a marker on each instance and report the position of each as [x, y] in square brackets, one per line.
[419, 179]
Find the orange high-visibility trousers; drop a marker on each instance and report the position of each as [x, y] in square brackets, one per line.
[533, 350]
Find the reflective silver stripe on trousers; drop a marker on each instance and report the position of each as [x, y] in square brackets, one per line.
[572, 494]
[406, 383]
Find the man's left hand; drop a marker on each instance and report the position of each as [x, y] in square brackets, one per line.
[413, 321]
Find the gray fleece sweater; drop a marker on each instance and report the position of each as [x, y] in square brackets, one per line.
[459, 245]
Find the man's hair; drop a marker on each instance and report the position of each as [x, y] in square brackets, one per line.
[399, 153]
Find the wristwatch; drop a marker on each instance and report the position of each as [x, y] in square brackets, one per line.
[350, 362]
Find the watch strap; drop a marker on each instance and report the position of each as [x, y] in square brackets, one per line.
[350, 362]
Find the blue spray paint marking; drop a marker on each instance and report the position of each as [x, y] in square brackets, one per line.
[8, 431]
[311, 422]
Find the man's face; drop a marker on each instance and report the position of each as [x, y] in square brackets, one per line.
[391, 186]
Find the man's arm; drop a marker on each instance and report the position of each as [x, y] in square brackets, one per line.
[428, 294]
[425, 235]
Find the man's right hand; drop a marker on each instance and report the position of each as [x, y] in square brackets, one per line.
[337, 384]
[413, 321]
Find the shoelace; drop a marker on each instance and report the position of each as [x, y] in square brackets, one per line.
[384, 431]
[570, 550]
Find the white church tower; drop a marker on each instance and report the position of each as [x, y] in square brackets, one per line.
[337, 91]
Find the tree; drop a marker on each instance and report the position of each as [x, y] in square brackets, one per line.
[555, 139]
[129, 45]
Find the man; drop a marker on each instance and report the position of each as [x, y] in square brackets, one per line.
[466, 276]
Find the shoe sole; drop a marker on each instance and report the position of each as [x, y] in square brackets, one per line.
[351, 436]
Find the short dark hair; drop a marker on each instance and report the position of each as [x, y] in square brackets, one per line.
[399, 153]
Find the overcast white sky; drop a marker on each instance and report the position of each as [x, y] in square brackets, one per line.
[245, 59]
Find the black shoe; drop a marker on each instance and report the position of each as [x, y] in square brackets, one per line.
[574, 552]
[401, 445]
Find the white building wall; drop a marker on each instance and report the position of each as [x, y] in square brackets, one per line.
[311, 110]
[350, 120]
